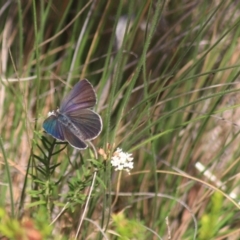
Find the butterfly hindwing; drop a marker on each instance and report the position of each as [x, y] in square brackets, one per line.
[53, 127]
[88, 122]
[73, 140]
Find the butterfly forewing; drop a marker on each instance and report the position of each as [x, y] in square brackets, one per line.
[81, 96]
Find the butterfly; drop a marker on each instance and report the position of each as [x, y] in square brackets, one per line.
[75, 121]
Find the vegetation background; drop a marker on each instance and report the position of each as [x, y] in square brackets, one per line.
[166, 74]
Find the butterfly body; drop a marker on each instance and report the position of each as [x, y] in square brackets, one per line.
[75, 121]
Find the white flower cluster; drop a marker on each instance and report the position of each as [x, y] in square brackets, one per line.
[122, 161]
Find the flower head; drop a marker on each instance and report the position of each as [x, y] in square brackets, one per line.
[122, 161]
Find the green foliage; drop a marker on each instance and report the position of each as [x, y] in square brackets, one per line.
[210, 220]
[27, 228]
[126, 228]
[9, 227]
[166, 75]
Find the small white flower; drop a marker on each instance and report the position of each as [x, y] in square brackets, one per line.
[122, 161]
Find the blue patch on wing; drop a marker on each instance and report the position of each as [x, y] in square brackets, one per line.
[53, 127]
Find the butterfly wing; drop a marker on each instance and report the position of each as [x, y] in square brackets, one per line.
[56, 129]
[53, 127]
[87, 122]
[73, 140]
[81, 96]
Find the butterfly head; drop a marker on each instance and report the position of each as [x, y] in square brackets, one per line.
[53, 113]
